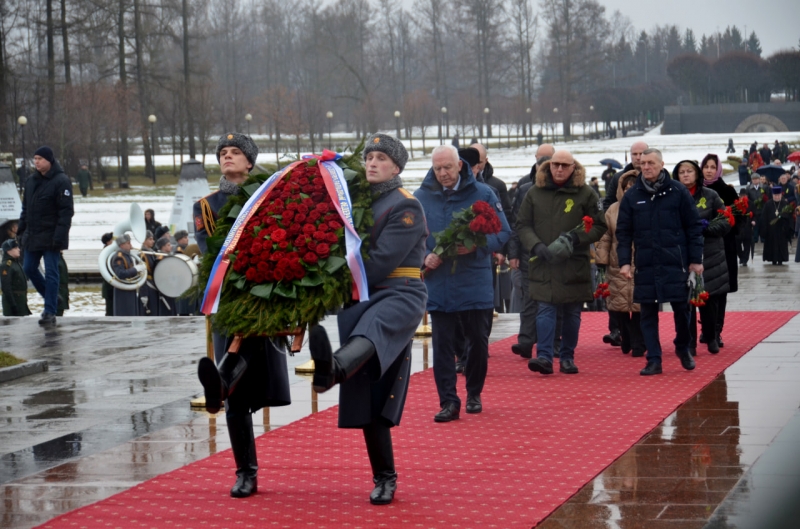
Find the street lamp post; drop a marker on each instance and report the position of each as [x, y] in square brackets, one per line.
[488, 124]
[446, 134]
[152, 119]
[591, 115]
[555, 124]
[329, 115]
[248, 118]
[22, 120]
[397, 122]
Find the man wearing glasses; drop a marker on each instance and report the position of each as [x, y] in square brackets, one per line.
[560, 274]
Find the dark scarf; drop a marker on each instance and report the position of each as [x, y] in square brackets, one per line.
[227, 186]
[385, 187]
[655, 186]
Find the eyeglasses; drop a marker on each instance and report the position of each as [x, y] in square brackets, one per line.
[559, 165]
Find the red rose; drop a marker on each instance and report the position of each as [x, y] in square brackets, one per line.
[300, 217]
[277, 275]
[278, 235]
[277, 256]
[301, 241]
[308, 229]
[317, 196]
[283, 245]
[238, 266]
[310, 258]
[265, 256]
[334, 225]
[323, 250]
[297, 270]
[307, 189]
[322, 208]
[262, 267]
[312, 246]
[320, 236]
[283, 264]
[332, 238]
[314, 216]
[294, 229]
[271, 221]
[288, 215]
[303, 181]
[323, 226]
[293, 256]
[250, 274]
[257, 247]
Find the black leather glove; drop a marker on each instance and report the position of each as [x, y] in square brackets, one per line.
[541, 251]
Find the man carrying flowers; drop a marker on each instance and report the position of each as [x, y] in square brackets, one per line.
[460, 290]
[374, 363]
[258, 370]
[557, 221]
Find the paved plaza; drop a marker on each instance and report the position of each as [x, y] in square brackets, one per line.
[113, 411]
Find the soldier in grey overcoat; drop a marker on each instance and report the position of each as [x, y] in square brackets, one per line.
[256, 376]
[374, 363]
[126, 302]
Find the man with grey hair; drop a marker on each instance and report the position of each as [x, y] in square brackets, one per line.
[461, 296]
[658, 217]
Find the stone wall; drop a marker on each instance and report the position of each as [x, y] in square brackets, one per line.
[738, 117]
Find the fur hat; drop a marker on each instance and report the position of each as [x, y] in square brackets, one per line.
[180, 234]
[122, 239]
[390, 146]
[47, 153]
[148, 235]
[470, 155]
[160, 231]
[10, 244]
[242, 142]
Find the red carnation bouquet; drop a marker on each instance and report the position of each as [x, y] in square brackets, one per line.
[469, 229]
[557, 245]
[699, 295]
[603, 290]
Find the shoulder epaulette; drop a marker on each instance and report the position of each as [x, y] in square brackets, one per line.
[406, 193]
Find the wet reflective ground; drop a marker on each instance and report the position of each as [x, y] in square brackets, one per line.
[112, 412]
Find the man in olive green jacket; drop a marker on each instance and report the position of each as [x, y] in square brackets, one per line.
[550, 225]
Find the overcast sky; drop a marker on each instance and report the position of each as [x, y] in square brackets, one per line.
[776, 22]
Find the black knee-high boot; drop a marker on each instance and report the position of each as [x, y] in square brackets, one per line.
[334, 368]
[240, 429]
[219, 382]
[381, 458]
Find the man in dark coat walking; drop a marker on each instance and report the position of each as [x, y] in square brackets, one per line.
[465, 297]
[256, 375]
[659, 218]
[373, 365]
[44, 227]
[83, 178]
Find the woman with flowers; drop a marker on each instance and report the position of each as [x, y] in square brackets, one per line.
[620, 300]
[258, 372]
[715, 266]
[373, 364]
[712, 179]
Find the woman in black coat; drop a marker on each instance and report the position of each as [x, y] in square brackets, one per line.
[712, 179]
[150, 220]
[776, 227]
[715, 266]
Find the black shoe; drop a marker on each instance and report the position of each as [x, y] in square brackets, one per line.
[385, 486]
[713, 347]
[212, 385]
[613, 338]
[459, 367]
[626, 350]
[521, 350]
[540, 365]
[450, 412]
[687, 361]
[638, 354]
[556, 353]
[47, 319]
[568, 366]
[652, 368]
[719, 341]
[474, 404]
[701, 338]
[330, 368]
[240, 430]
[693, 351]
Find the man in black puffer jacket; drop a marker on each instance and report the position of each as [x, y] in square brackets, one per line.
[44, 226]
[658, 217]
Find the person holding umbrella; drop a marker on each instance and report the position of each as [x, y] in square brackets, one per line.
[612, 166]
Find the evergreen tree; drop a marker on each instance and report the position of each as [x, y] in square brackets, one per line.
[689, 42]
[737, 40]
[674, 47]
[753, 44]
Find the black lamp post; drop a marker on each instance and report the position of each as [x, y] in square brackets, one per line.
[329, 115]
[152, 119]
[22, 120]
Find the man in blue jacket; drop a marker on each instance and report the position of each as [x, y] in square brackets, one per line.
[466, 296]
[658, 217]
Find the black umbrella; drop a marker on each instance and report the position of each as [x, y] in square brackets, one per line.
[772, 172]
[612, 162]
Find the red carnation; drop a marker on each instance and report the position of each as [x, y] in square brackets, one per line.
[587, 223]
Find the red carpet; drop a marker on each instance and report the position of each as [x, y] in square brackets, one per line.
[537, 442]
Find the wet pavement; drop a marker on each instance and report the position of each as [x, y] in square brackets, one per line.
[113, 412]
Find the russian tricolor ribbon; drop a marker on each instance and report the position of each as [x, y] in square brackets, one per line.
[336, 186]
